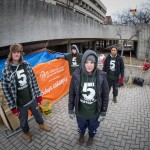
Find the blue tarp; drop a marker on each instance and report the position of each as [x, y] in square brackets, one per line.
[34, 59]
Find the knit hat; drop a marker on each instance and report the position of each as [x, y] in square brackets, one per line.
[92, 58]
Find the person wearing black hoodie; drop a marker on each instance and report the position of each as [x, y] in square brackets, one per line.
[88, 96]
[114, 68]
[74, 58]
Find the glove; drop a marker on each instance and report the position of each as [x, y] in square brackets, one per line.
[71, 115]
[121, 80]
[102, 116]
[15, 111]
[39, 100]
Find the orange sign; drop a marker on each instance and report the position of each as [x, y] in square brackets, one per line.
[53, 79]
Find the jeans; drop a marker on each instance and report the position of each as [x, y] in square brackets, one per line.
[114, 84]
[23, 117]
[91, 124]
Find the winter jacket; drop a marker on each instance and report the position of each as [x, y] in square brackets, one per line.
[9, 84]
[102, 89]
[119, 65]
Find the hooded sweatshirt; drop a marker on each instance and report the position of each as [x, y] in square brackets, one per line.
[112, 69]
[74, 60]
[88, 99]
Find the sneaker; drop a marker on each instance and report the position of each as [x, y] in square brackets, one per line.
[45, 127]
[81, 139]
[27, 137]
[115, 99]
[90, 141]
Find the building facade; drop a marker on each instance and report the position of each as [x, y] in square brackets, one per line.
[94, 9]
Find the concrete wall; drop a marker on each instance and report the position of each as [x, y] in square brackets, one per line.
[27, 21]
[31, 20]
[136, 71]
[144, 42]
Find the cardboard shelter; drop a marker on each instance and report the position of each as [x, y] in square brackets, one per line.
[9, 120]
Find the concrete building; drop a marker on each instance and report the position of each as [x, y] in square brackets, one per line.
[39, 24]
[94, 9]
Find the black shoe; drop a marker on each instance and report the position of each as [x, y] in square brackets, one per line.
[90, 141]
[115, 99]
[81, 139]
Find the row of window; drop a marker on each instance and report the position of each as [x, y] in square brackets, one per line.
[85, 6]
[93, 11]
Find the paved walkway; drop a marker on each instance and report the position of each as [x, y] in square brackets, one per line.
[126, 127]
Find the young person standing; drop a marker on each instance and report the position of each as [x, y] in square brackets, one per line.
[74, 58]
[21, 90]
[114, 68]
[88, 96]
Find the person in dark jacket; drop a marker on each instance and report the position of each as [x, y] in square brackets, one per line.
[21, 90]
[114, 68]
[74, 58]
[88, 96]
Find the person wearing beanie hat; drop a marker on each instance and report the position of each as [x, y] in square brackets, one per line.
[21, 90]
[91, 58]
[114, 68]
[74, 58]
[88, 96]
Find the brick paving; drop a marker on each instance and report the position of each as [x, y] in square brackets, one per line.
[126, 127]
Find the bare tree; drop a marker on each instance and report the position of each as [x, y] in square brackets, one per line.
[136, 19]
[127, 17]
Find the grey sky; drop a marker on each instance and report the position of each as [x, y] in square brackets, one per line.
[118, 5]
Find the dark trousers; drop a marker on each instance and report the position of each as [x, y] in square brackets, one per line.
[24, 115]
[114, 84]
[91, 124]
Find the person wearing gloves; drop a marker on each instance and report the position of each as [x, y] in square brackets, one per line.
[114, 68]
[21, 90]
[88, 96]
[74, 58]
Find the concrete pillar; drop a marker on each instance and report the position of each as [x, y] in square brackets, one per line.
[80, 48]
[102, 43]
[117, 41]
[69, 47]
[114, 41]
[110, 42]
[94, 46]
[88, 45]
